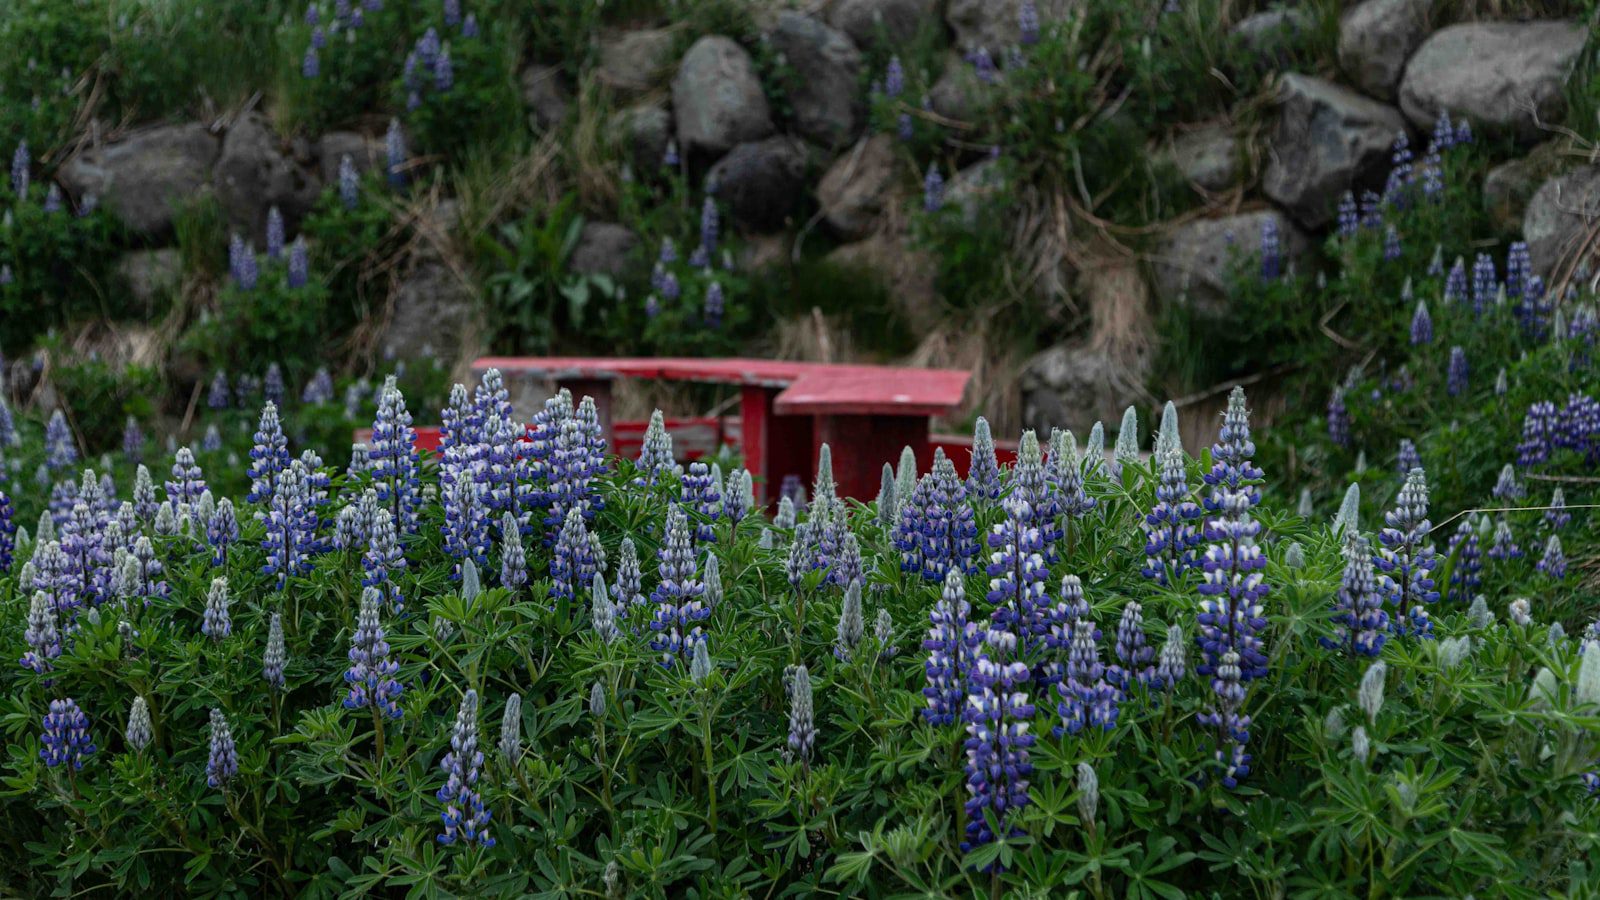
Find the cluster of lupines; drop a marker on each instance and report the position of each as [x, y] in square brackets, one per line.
[998, 715]
[465, 817]
[1575, 426]
[1171, 527]
[679, 607]
[371, 673]
[1407, 558]
[937, 532]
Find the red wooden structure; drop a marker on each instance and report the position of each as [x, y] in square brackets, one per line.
[786, 409]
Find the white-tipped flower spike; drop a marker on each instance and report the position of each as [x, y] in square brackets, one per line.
[511, 730]
[824, 490]
[1543, 690]
[604, 613]
[1361, 461]
[1556, 635]
[139, 732]
[1453, 652]
[1167, 436]
[273, 661]
[655, 457]
[1586, 690]
[888, 501]
[883, 632]
[166, 523]
[852, 623]
[1360, 745]
[443, 630]
[1173, 663]
[700, 663]
[765, 542]
[1088, 793]
[786, 515]
[1294, 557]
[983, 476]
[1306, 507]
[905, 474]
[1333, 723]
[1094, 447]
[216, 623]
[597, 701]
[1126, 448]
[1370, 696]
[712, 576]
[513, 559]
[1521, 612]
[1501, 383]
[1478, 613]
[612, 880]
[802, 719]
[1349, 517]
[470, 586]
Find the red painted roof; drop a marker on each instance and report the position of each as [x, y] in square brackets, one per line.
[812, 388]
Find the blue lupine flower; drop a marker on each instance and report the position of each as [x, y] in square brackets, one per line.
[52, 198]
[669, 157]
[444, 76]
[290, 518]
[1371, 210]
[1087, 699]
[1540, 428]
[998, 716]
[1028, 22]
[349, 183]
[187, 483]
[1421, 325]
[66, 735]
[700, 493]
[217, 623]
[937, 531]
[8, 426]
[61, 451]
[222, 763]
[371, 673]
[465, 817]
[715, 305]
[1349, 219]
[802, 717]
[319, 389]
[1455, 285]
[1556, 516]
[952, 645]
[709, 225]
[222, 531]
[1485, 284]
[1017, 575]
[1134, 652]
[630, 580]
[1465, 575]
[1338, 420]
[466, 516]
[43, 634]
[384, 560]
[983, 65]
[738, 495]
[1360, 626]
[273, 389]
[1231, 726]
[572, 565]
[269, 457]
[469, 26]
[394, 145]
[1065, 470]
[20, 161]
[655, 453]
[1580, 427]
[513, 560]
[452, 12]
[1031, 482]
[1519, 265]
[394, 460]
[310, 64]
[1230, 614]
[932, 189]
[678, 596]
[1391, 244]
[274, 233]
[1408, 457]
[273, 661]
[1271, 250]
[983, 475]
[1456, 376]
[242, 264]
[1505, 544]
[1506, 487]
[904, 126]
[8, 532]
[139, 732]
[894, 78]
[218, 397]
[1554, 562]
[319, 38]
[1232, 471]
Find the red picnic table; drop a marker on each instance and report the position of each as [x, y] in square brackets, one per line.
[866, 414]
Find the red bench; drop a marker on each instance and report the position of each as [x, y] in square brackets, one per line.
[786, 409]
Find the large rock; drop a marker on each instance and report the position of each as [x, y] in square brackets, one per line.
[1375, 40]
[634, 61]
[544, 96]
[1560, 223]
[366, 153]
[905, 271]
[958, 91]
[1268, 34]
[151, 275]
[1197, 262]
[824, 90]
[1093, 378]
[256, 172]
[853, 191]
[881, 23]
[1507, 77]
[604, 248]
[432, 314]
[760, 182]
[146, 177]
[1207, 156]
[1328, 139]
[643, 131]
[717, 98]
[990, 24]
[1509, 186]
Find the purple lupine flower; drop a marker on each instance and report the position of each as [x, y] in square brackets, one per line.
[670, 289]
[188, 482]
[952, 645]
[1519, 265]
[319, 38]
[932, 189]
[1391, 244]
[1408, 457]
[1031, 482]
[222, 762]
[319, 389]
[222, 531]
[709, 225]
[998, 715]
[1400, 174]
[678, 596]
[1456, 377]
[983, 475]
[1455, 284]
[1540, 427]
[1580, 427]
[513, 559]
[1463, 132]
[465, 817]
[275, 658]
[669, 157]
[655, 453]
[1554, 562]
[466, 516]
[444, 76]
[1432, 174]
[61, 451]
[8, 532]
[349, 183]
[1338, 420]
[1371, 210]
[1556, 516]
[1421, 325]
[802, 717]
[1485, 283]
[1360, 625]
[983, 65]
[1407, 558]
[714, 305]
[1466, 574]
[937, 531]
[1028, 22]
[52, 198]
[1271, 250]
[1505, 543]
[1230, 614]
[1506, 487]
[452, 12]
[274, 233]
[290, 518]
[1232, 470]
[395, 464]
[894, 78]
[394, 145]
[43, 634]
[701, 494]
[269, 457]
[1088, 700]
[1017, 575]
[572, 565]
[1134, 654]
[384, 560]
[469, 26]
[1349, 219]
[310, 64]
[904, 127]
[20, 162]
[66, 735]
[217, 623]
[1444, 136]
[272, 387]
[132, 441]
[1231, 726]
[242, 264]
[218, 396]
[1065, 470]
[630, 580]
[371, 673]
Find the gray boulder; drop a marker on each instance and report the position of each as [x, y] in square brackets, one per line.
[760, 182]
[1328, 139]
[717, 98]
[147, 176]
[544, 96]
[1196, 262]
[1375, 40]
[151, 275]
[604, 248]
[1094, 377]
[905, 271]
[1267, 32]
[633, 61]
[256, 172]
[853, 191]
[958, 91]
[824, 90]
[1559, 225]
[880, 23]
[1506, 77]
[366, 153]
[1208, 156]
[1509, 186]
[432, 314]
[992, 24]
[642, 131]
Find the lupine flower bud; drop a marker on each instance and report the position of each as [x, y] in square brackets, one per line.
[510, 745]
[1556, 635]
[1453, 651]
[932, 189]
[1478, 614]
[1554, 562]
[465, 817]
[1520, 612]
[1126, 448]
[222, 764]
[273, 661]
[883, 633]
[852, 623]
[1088, 794]
[802, 721]
[139, 732]
[1167, 436]
[349, 183]
[1544, 689]
[371, 673]
[1294, 557]
[1370, 696]
[1586, 690]
[513, 560]
[1173, 663]
[216, 623]
[1360, 745]
[603, 613]
[983, 477]
[1349, 516]
[700, 664]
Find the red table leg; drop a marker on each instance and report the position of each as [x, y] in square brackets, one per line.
[600, 390]
[774, 445]
[861, 444]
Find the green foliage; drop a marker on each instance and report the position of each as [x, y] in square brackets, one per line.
[532, 297]
[101, 395]
[59, 265]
